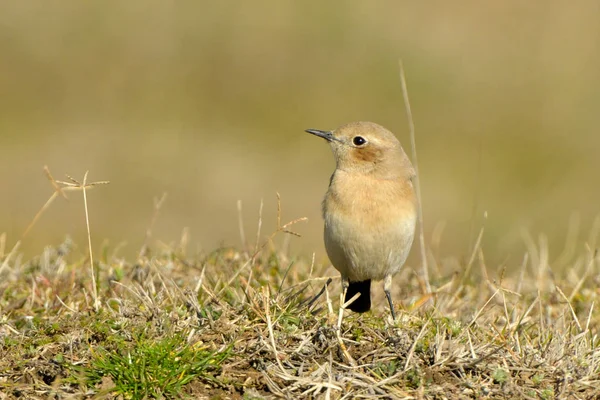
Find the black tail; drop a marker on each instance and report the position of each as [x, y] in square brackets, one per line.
[363, 303]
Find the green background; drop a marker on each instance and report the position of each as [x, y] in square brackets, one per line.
[208, 102]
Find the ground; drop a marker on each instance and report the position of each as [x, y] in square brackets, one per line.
[240, 324]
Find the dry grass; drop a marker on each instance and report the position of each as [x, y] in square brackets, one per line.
[239, 323]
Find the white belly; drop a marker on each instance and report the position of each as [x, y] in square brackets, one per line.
[362, 249]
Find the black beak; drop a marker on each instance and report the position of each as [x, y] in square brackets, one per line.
[324, 134]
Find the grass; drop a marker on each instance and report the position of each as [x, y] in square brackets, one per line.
[239, 323]
[150, 367]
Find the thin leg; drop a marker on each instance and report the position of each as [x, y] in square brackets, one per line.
[338, 330]
[387, 286]
[345, 284]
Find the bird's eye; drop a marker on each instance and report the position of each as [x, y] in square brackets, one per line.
[359, 140]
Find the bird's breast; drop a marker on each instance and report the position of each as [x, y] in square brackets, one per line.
[369, 202]
[369, 224]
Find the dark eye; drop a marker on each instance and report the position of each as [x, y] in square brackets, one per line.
[359, 140]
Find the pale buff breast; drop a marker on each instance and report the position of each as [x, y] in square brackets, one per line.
[369, 225]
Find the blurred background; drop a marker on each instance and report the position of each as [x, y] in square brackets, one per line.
[208, 102]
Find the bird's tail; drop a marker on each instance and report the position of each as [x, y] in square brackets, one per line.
[363, 303]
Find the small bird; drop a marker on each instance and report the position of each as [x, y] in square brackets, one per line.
[370, 209]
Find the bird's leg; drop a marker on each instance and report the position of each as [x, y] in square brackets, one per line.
[345, 285]
[338, 330]
[387, 286]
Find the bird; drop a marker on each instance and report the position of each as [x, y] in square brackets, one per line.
[369, 209]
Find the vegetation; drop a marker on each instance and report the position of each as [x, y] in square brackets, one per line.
[246, 323]
[209, 103]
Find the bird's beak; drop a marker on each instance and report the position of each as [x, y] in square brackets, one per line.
[327, 135]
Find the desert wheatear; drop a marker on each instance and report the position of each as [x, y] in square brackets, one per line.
[370, 209]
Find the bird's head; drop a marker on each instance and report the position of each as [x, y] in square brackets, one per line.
[367, 148]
